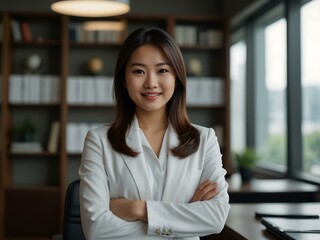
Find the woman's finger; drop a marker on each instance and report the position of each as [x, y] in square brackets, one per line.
[205, 191]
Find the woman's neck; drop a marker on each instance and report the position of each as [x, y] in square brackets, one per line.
[152, 120]
[153, 125]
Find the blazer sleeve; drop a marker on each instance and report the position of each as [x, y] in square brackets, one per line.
[98, 222]
[199, 218]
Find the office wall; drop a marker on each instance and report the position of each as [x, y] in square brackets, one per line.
[231, 8]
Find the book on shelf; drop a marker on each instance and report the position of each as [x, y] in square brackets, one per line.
[72, 138]
[72, 32]
[53, 143]
[26, 31]
[104, 90]
[89, 37]
[215, 38]
[16, 30]
[211, 38]
[76, 133]
[205, 91]
[72, 90]
[26, 147]
[31, 88]
[15, 88]
[108, 37]
[189, 35]
[34, 88]
[78, 33]
[89, 90]
[50, 89]
[185, 35]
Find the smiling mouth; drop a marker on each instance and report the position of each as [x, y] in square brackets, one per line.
[150, 94]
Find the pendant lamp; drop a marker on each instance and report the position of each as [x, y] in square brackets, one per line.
[91, 8]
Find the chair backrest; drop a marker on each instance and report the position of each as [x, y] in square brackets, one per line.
[72, 229]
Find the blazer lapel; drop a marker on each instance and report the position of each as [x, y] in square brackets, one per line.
[176, 168]
[137, 165]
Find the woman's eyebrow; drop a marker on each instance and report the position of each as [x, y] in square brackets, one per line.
[163, 64]
[137, 64]
[143, 65]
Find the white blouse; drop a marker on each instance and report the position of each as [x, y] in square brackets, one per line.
[157, 167]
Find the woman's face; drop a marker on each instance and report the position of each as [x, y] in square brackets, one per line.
[149, 79]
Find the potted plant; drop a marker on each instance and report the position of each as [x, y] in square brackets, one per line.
[246, 161]
[26, 130]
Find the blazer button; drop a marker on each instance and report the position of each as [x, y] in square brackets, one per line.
[158, 231]
[169, 232]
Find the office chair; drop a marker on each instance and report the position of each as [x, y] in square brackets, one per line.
[72, 229]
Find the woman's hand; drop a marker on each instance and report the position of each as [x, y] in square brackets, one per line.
[205, 191]
[129, 210]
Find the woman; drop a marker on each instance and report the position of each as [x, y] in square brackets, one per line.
[151, 174]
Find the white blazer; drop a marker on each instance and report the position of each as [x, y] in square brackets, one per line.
[107, 174]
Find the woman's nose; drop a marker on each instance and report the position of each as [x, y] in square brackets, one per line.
[151, 81]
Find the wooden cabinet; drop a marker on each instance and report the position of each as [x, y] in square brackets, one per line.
[33, 182]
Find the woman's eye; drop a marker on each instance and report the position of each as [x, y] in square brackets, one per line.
[138, 71]
[163, 70]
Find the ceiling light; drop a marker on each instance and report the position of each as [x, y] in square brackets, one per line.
[91, 8]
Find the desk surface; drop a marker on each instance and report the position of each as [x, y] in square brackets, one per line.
[269, 185]
[242, 224]
[271, 190]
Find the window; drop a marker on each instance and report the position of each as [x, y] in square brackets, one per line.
[310, 81]
[282, 86]
[270, 88]
[238, 93]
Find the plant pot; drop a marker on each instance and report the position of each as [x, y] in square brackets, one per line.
[27, 137]
[246, 174]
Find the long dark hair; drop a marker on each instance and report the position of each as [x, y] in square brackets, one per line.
[189, 136]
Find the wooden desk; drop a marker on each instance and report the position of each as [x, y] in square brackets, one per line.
[271, 190]
[242, 224]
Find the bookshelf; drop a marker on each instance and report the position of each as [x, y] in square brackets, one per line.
[31, 180]
[61, 96]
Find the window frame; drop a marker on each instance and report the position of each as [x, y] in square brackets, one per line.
[260, 92]
[237, 37]
[293, 91]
